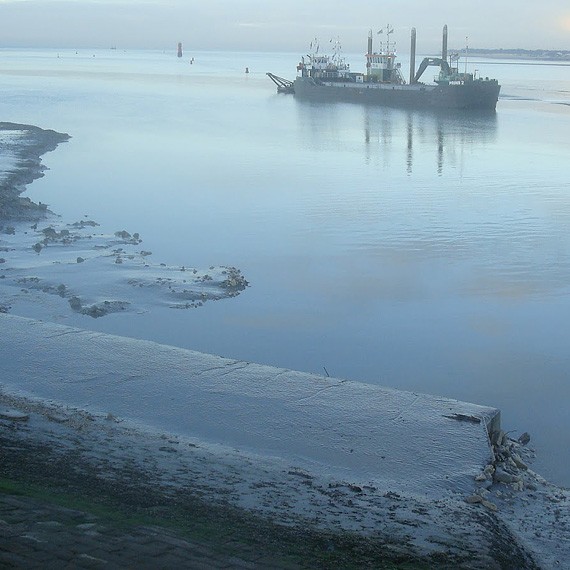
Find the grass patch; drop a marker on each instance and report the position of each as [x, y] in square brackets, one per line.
[129, 499]
[223, 534]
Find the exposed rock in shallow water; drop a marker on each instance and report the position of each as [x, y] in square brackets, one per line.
[524, 438]
[84, 224]
[99, 274]
[106, 307]
[97, 310]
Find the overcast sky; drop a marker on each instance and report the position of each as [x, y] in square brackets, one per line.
[281, 25]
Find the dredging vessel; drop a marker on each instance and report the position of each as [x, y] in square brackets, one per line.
[328, 78]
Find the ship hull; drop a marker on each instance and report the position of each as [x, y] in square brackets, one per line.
[477, 94]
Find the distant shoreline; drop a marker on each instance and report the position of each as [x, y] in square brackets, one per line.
[561, 56]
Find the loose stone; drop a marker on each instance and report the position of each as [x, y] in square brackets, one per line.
[524, 438]
[504, 477]
[14, 415]
[519, 462]
[472, 499]
[489, 505]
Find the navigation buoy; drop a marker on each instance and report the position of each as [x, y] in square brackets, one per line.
[247, 69]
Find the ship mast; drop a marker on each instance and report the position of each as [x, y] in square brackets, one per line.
[389, 30]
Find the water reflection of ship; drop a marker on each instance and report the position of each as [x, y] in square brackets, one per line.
[392, 136]
[449, 135]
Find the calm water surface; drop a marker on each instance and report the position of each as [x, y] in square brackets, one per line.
[429, 253]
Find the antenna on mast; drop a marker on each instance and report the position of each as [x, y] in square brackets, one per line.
[389, 30]
[337, 49]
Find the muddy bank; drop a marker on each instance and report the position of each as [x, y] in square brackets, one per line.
[22, 147]
[79, 267]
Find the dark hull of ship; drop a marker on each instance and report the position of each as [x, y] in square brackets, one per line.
[476, 95]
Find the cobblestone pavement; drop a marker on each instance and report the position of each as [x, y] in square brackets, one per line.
[38, 534]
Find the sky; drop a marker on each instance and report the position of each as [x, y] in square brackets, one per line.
[281, 25]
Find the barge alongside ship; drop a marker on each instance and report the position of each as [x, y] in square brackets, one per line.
[324, 78]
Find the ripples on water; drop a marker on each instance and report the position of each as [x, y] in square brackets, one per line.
[420, 251]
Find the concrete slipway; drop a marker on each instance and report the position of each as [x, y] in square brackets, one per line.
[409, 441]
[256, 432]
